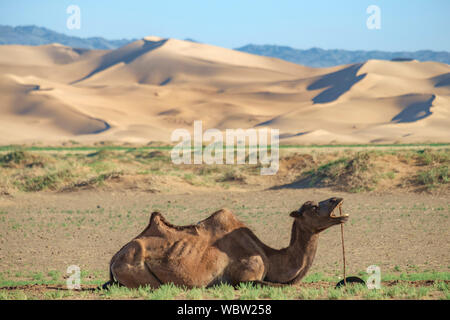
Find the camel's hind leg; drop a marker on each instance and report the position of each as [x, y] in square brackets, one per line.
[129, 267]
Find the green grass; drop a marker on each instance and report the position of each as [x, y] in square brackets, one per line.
[420, 276]
[390, 175]
[223, 291]
[195, 294]
[439, 289]
[318, 276]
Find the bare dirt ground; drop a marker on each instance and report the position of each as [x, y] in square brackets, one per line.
[399, 232]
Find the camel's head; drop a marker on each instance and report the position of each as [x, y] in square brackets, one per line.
[319, 217]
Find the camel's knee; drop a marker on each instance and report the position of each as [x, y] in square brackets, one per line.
[135, 276]
[248, 269]
[129, 267]
[131, 254]
[256, 267]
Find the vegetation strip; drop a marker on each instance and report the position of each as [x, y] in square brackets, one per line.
[344, 170]
[169, 147]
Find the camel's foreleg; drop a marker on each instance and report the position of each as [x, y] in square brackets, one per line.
[130, 268]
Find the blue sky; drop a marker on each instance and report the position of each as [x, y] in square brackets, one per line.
[330, 24]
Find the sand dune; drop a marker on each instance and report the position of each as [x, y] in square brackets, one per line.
[32, 104]
[143, 91]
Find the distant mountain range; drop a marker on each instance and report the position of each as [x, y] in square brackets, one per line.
[35, 36]
[314, 57]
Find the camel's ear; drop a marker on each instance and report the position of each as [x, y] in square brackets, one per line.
[295, 214]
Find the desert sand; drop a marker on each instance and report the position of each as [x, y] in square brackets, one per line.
[143, 91]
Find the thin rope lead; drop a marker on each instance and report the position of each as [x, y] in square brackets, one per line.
[343, 246]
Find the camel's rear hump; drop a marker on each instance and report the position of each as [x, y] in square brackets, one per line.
[216, 225]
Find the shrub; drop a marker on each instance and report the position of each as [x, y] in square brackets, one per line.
[352, 175]
[433, 177]
[232, 176]
[21, 159]
[47, 181]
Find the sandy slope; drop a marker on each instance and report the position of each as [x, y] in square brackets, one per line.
[145, 90]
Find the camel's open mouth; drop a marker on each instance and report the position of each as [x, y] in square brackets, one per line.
[338, 207]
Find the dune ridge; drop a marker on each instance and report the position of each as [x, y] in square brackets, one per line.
[143, 91]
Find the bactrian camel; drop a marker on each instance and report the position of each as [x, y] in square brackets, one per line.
[221, 249]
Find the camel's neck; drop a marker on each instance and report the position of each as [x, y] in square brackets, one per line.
[289, 265]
